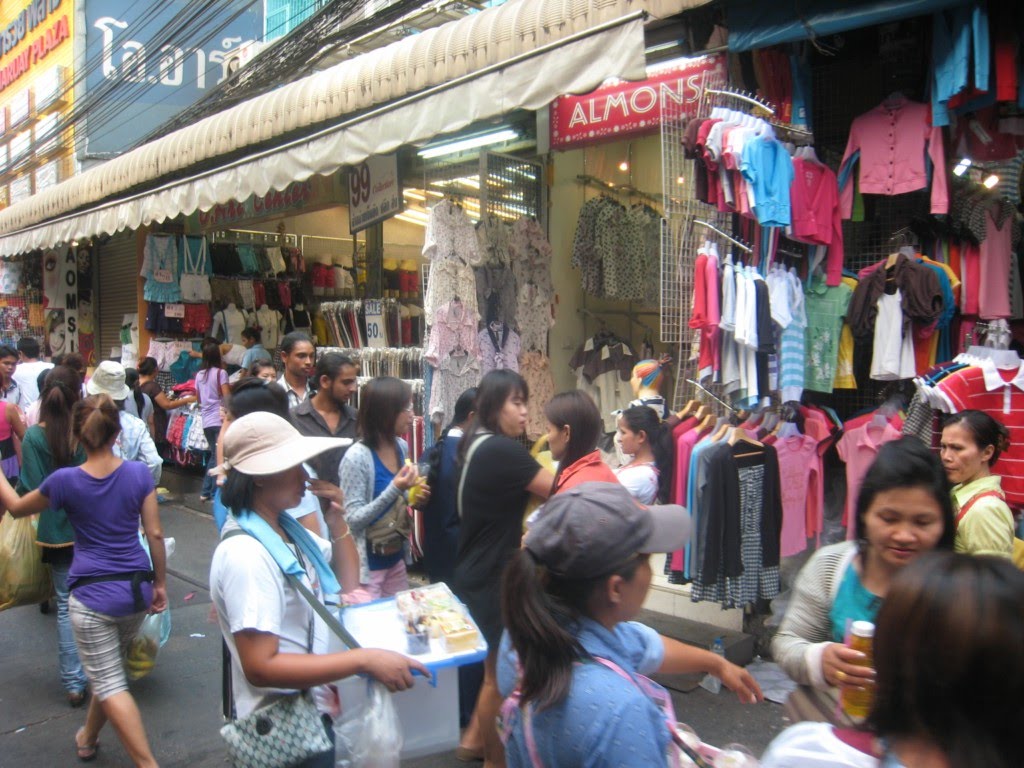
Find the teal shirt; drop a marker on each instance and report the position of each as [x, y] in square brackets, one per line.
[853, 603]
[36, 465]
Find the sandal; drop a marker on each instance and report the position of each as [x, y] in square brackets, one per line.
[85, 753]
[467, 755]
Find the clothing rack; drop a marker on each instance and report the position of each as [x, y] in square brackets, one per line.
[401, 362]
[996, 326]
[629, 315]
[250, 236]
[756, 101]
[738, 243]
[710, 394]
[799, 136]
[621, 189]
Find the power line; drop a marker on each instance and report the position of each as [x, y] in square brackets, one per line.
[114, 93]
[102, 104]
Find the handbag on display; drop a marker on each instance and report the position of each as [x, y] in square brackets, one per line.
[195, 282]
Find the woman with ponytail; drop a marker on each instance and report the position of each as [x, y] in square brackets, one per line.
[114, 582]
[49, 446]
[568, 600]
[645, 437]
[971, 443]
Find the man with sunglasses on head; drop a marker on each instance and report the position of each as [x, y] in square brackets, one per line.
[327, 413]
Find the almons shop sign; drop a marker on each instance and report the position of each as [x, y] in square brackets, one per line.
[30, 37]
[620, 108]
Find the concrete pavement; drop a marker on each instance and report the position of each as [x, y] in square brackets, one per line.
[180, 700]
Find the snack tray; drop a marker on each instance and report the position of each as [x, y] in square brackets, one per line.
[379, 625]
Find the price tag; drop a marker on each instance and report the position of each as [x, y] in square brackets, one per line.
[174, 310]
[163, 276]
[373, 311]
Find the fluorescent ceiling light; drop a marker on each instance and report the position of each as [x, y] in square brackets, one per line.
[413, 194]
[470, 142]
[663, 46]
[991, 181]
[403, 217]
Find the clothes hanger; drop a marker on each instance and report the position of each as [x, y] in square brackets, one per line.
[689, 408]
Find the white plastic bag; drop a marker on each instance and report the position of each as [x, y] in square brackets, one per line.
[140, 658]
[369, 735]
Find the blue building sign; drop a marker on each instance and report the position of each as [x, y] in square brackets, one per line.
[149, 71]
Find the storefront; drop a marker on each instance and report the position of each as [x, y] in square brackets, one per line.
[269, 232]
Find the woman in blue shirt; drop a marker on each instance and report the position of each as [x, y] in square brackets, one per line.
[567, 601]
[374, 477]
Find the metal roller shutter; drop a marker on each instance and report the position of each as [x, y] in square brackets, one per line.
[117, 289]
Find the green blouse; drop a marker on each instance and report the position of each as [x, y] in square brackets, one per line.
[36, 465]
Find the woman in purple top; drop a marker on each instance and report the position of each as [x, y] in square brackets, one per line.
[112, 580]
[211, 388]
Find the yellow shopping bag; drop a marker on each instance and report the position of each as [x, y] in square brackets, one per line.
[24, 580]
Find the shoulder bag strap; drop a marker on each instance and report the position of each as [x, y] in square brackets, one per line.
[226, 679]
[343, 634]
[970, 503]
[465, 470]
[189, 264]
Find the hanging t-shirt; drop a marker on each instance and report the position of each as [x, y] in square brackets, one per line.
[160, 268]
[892, 355]
[858, 448]
[825, 307]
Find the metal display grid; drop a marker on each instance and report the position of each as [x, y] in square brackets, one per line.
[864, 84]
[843, 88]
[680, 239]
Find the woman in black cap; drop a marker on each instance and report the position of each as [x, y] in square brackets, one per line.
[567, 600]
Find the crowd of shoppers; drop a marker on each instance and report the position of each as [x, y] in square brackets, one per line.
[312, 500]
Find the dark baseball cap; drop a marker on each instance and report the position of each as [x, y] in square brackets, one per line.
[593, 528]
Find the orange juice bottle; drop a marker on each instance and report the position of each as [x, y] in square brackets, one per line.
[856, 700]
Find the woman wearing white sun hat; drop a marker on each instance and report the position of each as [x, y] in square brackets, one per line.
[278, 643]
[135, 443]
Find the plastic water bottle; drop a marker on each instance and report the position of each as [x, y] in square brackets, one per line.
[710, 682]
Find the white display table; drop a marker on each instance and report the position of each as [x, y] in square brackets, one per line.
[430, 710]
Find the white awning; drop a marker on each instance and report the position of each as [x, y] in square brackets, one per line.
[520, 55]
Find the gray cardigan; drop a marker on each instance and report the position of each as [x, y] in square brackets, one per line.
[356, 475]
[806, 627]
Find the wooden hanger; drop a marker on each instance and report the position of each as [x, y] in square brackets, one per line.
[707, 423]
[740, 435]
[688, 409]
[722, 430]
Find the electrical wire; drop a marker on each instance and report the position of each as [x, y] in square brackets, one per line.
[109, 98]
[97, 105]
[117, 100]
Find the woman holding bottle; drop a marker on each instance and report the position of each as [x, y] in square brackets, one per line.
[903, 510]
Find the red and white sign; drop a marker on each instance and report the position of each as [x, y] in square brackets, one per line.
[620, 108]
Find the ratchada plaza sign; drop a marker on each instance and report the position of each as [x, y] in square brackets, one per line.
[30, 36]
